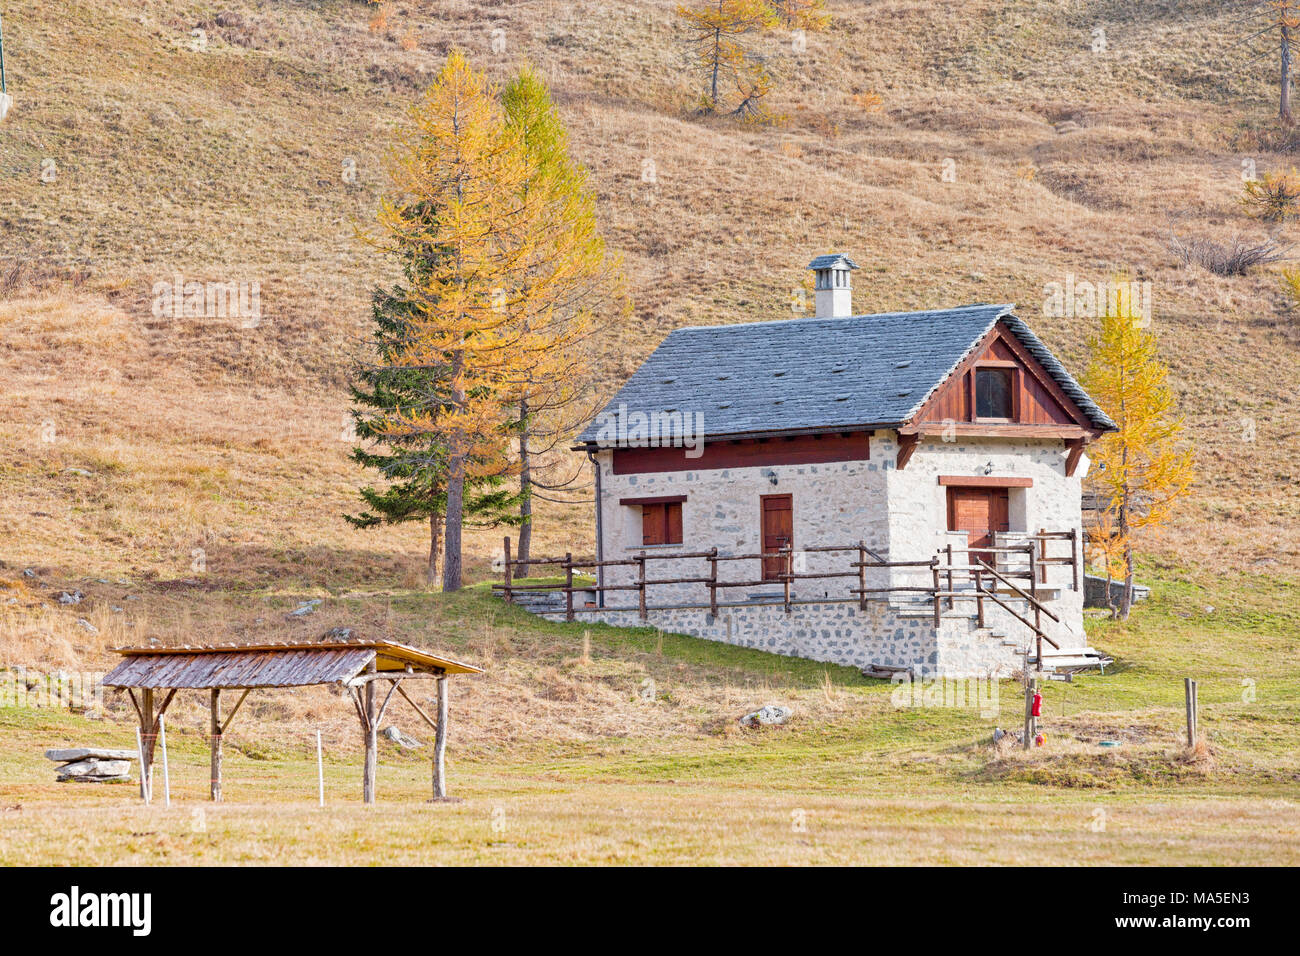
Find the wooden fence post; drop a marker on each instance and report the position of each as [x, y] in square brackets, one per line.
[1042, 553]
[568, 586]
[1038, 611]
[951, 599]
[1074, 554]
[862, 575]
[934, 568]
[979, 596]
[640, 584]
[1190, 702]
[789, 570]
[506, 586]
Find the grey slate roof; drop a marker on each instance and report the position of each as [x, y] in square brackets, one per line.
[832, 259]
[805, 375]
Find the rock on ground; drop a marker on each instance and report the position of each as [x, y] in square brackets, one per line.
[769, 716]
[81, 753]
[401, 739]
[95, 769]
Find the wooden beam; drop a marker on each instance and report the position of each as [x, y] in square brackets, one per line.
[418, 709]
[906, 446]
[231, 716]
[1073, 452]
[998, 430]
[985, 481]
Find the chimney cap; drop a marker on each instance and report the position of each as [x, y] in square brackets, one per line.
[832, 260]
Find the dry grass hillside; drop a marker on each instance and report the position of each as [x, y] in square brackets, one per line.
[187, 475]
[139, 149]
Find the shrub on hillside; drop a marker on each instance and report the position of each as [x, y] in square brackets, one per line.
[1275, 197]
[1235, 257]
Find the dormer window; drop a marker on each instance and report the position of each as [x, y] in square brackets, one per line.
[995, 392]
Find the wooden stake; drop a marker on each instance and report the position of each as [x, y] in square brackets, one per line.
[440, 743]
[320, 772]
[1189, 695]
[167, 780]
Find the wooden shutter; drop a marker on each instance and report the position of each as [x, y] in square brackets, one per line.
[652, 524]
[673, 523]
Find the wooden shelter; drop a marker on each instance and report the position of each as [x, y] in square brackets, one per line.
[355, 666]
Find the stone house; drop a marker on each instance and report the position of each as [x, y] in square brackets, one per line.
[855, 474]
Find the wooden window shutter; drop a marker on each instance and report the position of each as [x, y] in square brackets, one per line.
[652, 524]
[673, 523]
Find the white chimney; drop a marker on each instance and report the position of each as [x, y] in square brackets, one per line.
[834, 286]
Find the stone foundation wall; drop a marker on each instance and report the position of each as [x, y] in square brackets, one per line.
[838, 634]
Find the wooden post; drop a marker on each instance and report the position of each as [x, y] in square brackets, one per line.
[934, 568]
[1038, 612]
[568, 586]
[713, 581]
[1042, 553]
[372, 740]
[862, 575]
[139, 748]
[1074, 554]
[216, 745]
[440, 743]
[1189, 692]
[146, 750]
[789, 569]
[506, 587]
[320, 772]
[951, 599]
[979, 596]
[1031, 685]
[640, 584]
[167, 777]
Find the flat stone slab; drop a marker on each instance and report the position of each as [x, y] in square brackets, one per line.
[95, 768]
[81, 753]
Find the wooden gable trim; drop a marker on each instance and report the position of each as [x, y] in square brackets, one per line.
[662, 500]
[1083, 428]
[985, 481]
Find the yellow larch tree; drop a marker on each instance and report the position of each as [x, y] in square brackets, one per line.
[457, 197]
[1141, 469]
[722, 38]
[569, 289]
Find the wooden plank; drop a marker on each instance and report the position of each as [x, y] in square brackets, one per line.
[986, 481]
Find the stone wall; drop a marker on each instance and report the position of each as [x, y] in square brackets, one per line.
[901, 514]
[839, 634]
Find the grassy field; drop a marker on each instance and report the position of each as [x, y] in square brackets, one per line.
[561, 758]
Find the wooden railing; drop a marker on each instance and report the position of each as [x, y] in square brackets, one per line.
[949, 569]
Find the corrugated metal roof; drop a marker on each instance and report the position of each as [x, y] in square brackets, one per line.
[804, 375]
[268, 665]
